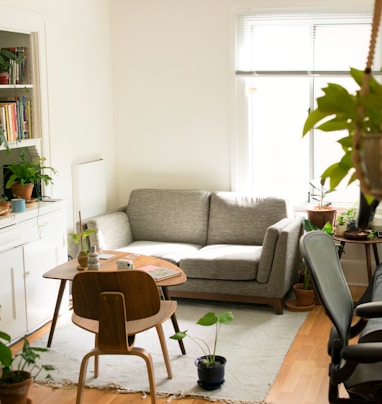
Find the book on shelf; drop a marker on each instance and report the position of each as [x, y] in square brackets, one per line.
[16, 121]
[159, 273]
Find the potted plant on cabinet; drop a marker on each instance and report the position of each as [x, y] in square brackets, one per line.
[18, 372]
[7, 58]
[4, 205]
[323, 212]
[80, 239]
[210, 366]
[24, 174]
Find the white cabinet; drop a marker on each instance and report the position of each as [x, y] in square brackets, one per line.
[32, 243]
[45, 252]
[12, 296]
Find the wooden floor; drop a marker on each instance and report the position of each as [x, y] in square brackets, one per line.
[302, 379]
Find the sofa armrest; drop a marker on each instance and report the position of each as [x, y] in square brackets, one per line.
[112, 230]
[287, 259]
[268, 251]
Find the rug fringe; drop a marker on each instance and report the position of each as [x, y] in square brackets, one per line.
[123, 390]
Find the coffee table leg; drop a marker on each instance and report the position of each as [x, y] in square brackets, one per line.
[174, 321]
[56, 311]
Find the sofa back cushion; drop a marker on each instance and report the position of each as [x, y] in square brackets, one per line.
[169, 215]
[242, 219]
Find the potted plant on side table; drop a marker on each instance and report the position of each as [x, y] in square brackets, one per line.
[24, 174]
[18, 372]
[210, 366]
[322, 212]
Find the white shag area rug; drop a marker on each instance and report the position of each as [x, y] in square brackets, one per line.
[255, 345]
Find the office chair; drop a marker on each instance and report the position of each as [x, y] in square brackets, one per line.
[357, 366]
[116, 306]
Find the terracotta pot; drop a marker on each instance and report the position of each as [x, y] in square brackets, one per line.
[22, 191]
[82, 259]
[371, 158]
[5, 207]
[304, 298]
[15, 393]
[4, 78]
[319, 216]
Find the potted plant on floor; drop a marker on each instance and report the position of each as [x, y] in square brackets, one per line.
[304, 291]
[210, 366]
[80, 239]
[24, 174]
[18, 372]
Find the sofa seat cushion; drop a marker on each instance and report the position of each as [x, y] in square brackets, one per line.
[223, 261]
[172, 252]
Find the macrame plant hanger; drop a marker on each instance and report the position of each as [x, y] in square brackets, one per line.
[357, 138]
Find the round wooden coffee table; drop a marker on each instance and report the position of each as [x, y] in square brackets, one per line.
[66, 272]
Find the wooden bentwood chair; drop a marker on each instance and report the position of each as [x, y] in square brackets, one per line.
[116, 306]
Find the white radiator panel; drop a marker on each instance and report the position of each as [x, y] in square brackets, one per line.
[89, 189]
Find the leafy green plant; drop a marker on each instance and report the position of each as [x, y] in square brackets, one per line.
[81, 237]
[208, 319]
[338, 109]
[309, 226]
[13, 367]
[6, 58]
[26, 172]
[321, 190]
[346, 217]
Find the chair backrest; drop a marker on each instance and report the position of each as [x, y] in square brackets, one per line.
[321, 258]
[139, 291]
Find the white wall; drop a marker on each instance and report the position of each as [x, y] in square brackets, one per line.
[172, 74]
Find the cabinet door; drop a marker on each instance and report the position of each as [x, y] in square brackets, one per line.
[12, 296]
[47, 251]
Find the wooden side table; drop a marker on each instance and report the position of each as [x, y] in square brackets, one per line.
[367, 243]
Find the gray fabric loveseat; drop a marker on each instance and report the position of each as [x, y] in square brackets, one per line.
[232, 247]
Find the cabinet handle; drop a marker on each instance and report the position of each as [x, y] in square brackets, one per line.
[27, 274]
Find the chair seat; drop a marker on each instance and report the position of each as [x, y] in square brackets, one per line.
[167, 309]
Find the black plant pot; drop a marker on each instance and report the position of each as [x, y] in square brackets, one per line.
[211, 377]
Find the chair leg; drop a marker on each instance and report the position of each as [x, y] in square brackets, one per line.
[164, 349]
[82, 375]
[96, 362]
[150, 370]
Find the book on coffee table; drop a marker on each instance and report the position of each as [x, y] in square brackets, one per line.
[159, 273]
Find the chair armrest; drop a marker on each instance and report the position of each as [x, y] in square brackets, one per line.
[368, 352]
[369, 310]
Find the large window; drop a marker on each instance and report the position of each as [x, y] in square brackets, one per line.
[281, 65]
